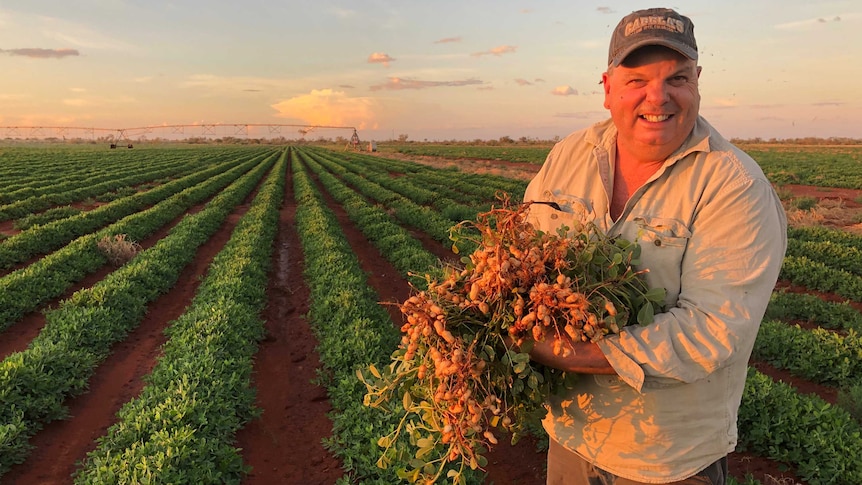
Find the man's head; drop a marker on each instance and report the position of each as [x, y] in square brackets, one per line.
[651, 86]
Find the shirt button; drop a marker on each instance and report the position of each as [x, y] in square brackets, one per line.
[657, 242]
[554, 216]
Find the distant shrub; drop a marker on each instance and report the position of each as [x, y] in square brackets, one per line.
[805, 203]
[784, 193]
[119, 249]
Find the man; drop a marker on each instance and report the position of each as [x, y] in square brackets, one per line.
[659, 403]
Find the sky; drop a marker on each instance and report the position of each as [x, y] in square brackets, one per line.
[430, 70]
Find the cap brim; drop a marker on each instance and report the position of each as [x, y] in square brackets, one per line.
[681, 48]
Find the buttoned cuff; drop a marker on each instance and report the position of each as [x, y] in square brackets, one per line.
[628, 370]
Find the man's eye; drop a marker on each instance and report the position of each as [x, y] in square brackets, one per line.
[678, 80]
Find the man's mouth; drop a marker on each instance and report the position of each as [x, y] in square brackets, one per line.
[656, 118]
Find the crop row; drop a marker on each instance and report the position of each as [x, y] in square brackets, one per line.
[79, 333]
[468, 188]
[24, 290]
[351, 328]
[181, 428]
[67, 189]
[42, 239]
[18, 179]
[827, 419]
[392, 188]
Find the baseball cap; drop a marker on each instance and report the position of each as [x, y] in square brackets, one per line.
[652, 26]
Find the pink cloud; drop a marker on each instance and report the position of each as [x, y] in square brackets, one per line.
[380, 58]
[496, 51]
[564, 91]
[397, 83]
[39, 53]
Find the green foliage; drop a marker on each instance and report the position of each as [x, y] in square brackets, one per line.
[45, 217]
[850, 398]
[786, 426]
[804, 203]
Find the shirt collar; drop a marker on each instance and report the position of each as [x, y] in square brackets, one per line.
[604, 135]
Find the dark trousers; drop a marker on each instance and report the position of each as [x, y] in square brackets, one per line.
[568, 468]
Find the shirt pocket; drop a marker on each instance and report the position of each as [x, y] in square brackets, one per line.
[662, 231]
[663, 242]
[556, 211]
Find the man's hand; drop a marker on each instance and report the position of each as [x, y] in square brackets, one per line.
[582, 357]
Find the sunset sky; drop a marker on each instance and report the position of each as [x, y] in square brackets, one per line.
[431, 70]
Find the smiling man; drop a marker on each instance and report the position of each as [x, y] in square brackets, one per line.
[658, 403]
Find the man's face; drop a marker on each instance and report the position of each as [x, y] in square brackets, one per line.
[653, 98]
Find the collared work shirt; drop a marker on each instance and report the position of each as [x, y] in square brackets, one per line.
[713, 234]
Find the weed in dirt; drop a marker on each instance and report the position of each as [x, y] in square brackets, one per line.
[119, 249]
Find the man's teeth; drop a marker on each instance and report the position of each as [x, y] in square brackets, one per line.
[655, 118]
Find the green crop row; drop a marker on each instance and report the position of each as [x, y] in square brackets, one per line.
[181, 428]
[820, 440]
[790, 307]
[528, 154]
[407, 187]
[62, 192]
[405, 251]
[79, 333]
[24, 290]
[352, 330]
[823, 166]
[832, 254]
[409, 213]
[466, 185]
[818, 355]
[45, 238]
[823, 233]
[19, 180]
[814, 275]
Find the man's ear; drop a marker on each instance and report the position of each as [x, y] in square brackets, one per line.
[607, 87]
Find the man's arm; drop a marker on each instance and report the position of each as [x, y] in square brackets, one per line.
[583, 358]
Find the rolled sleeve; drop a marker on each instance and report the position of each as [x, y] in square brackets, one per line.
[729, 269]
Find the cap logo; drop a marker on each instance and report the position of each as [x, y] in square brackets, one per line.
[654, 22]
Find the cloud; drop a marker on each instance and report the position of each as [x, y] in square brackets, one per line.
[830, 103]
[380, 58]
[346, 86]
[39, 53]
[397, 83]
[446, 40]
[807, 24]
[213, 85]
[564, 91]
[343, 13]
[326, 107]
[523, 82]
[496, 51]
[606, 10]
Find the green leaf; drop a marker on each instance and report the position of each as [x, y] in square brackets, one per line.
[646, 314]
[407, 401]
